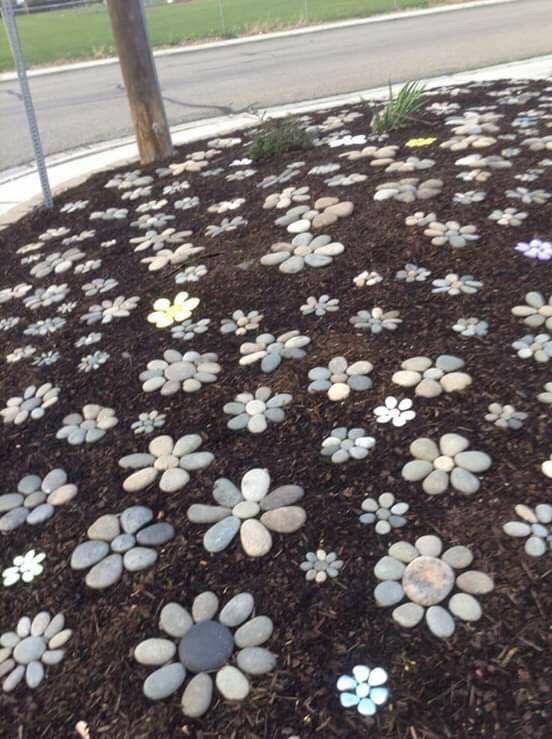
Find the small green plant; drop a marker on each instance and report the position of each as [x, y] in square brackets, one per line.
[278, 136]
[399, 109]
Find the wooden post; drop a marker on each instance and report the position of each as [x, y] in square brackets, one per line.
[141, 81]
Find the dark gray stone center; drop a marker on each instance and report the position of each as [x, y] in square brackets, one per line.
[206, 646]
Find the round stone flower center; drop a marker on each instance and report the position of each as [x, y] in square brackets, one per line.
[428, 580]
[446, 464]
[255, 407]
[206, 646]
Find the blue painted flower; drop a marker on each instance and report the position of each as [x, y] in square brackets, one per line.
[364, 689]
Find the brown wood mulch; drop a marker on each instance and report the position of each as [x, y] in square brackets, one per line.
[494, 677]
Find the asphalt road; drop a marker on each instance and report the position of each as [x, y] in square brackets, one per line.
[87, 106]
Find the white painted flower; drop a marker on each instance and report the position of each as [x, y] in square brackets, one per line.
[364, 689]
[395, 411]
[25, 568]
[166, 313]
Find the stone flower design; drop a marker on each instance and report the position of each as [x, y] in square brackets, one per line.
[367, 279]
[412, 273]
[89, 426]
[270, 351]
[57, 263]
[92, 362]
[148, 422]
[408, 190]
[156, 241]
[527, 196]
[535, 249]
[193, 273]
[426, 576]
[20, 353]
[35, 500]
[546, 396]
[320, 306]
[172, 461]
[227, 225]
[25, 568]
[33, 404]
[45, 326]
[305, 250]
[252, 511]
[505, 416]
[255, 412]
[169, 257]
[240, 322]
[43, 297]
[364, 690]
[203, 645]
[98, 285]
[376, 320]
[471, 327]
[537, 347]
[326, 212]
[451, 233]
[450, 463]
[180, 372]
[285, 198]
[536, 312]
[395, 411]
[320, 565]
[420, 218]
[166, 313]
[187, 330]
[33, 646]
[536, 524]
[508, 217]
[120, 542]
[386, 513]
[431, 378]
[109, 310]
[346, 180]
[469, 197]
[340, 377]
[344, 444]
[453, 284]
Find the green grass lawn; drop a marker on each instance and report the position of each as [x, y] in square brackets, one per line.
[69, 35]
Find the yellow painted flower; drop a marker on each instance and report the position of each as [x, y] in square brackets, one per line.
[166, 313]
[412, 143]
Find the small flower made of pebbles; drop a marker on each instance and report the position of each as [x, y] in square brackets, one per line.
[364, 690]
[32, 646]
[471, 327]
[321, 565]
[505, 416]
[252, 511]
[171, 461]
[89, 426]
[35, 500]
[32, 404]
[446, 464]
[340, 377]
[386, 513]
[344, 444]
[536, 525]
[320, 306]
[241, 323]
[270, 351]
[255, 412]
[120, 542]
[451, 233]
[201, 644]
[179, 372]
[454, 284]
[536, 312]
[426, 576]
[376, 320]
[306, 250]
[537, 347]
[430, 378]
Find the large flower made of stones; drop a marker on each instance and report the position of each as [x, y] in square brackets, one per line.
[306, 250]
[255, 412]
[35, 500]
[33, 645]
[172, 460]
[32, 404]
[426, 576]
[202, 644]
[120, 542]
[536, 311]
[186, 372]
[270, 351]
[536, 524]
[88, 427]
[450, 463]
[432, 378]
[340, 377]
[237, 510]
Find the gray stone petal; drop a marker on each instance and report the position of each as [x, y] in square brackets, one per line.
[237, 610]
[139, 558]
[285, 495]
[197, 697]
[254, 633]
[226, 493]
[156, 534]
[440, 622]
[200, 513]
[232, 683]
[155, 651]
[105, 528]
[164, 682]
[105, 573]
[175, 620]
[135, 517]
[463, 481]
[88, 553]
[219, 536]
[256, 660]
[388, 593]
[205, 606]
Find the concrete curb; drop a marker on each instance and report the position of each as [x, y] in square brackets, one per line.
[381, 18]
[20, 187]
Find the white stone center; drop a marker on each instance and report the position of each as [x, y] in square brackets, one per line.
[428, 580]
[446, 464]
[255, 407]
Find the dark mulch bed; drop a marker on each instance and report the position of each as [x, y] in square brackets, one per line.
[493, 678]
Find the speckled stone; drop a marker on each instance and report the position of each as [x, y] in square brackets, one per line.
[197, 697]
[206, 646]
[237, 610]
[164, 682]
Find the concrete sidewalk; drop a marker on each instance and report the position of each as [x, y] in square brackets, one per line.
[20, 187]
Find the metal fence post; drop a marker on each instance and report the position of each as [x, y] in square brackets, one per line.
[13, 38]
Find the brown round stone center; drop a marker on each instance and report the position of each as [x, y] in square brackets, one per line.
[428, 580]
